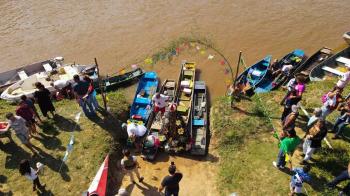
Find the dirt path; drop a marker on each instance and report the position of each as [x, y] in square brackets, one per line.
[199, 175]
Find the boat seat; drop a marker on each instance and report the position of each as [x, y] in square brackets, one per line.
[150, 75]
[182, 108]
[326, 51]
[142, 101]
[188, 73]
[333, 71]
[47, 67]
[187, 91]
[170, 85]
[256, 73]
[22, 75]
[198, 122]
[343, 60]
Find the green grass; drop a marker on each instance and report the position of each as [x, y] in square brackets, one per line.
[247, 148]
[93, 141]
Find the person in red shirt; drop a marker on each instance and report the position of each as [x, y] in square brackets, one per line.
[27, 113]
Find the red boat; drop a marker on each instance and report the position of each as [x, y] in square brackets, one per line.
[99, 185]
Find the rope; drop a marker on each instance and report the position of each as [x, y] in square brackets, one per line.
[69, 146]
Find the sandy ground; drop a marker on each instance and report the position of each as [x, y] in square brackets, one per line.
[199, 175]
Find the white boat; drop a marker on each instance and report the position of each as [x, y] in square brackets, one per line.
[26, 86]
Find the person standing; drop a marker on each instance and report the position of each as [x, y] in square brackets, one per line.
[26, 170]
[92, 92]
[18, 124]
[159, 101]
[43, 98]
[130, 165]
[313, 139]
[294, 97]
[171, 182]
[81, 90]
[289, 121]
[287, 147]
[30, 103]
[24, 111]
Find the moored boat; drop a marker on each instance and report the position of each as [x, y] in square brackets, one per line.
[334, 66]
[317, 58]
[141, 107]
[158, 126]
[8, 78]
[61, 74]
[113, 82]
[253, 75]
[270, 82]
[199, 120]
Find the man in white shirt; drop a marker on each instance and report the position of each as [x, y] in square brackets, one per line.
[159, 101]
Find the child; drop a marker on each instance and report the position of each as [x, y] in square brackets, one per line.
[296, 182]
[30, 173]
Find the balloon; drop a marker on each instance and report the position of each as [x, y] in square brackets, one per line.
[222, 62]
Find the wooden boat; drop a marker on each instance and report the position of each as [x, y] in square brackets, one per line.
[113, 82]
[268, 83]
[255, 73]
[199, 120]
[334, 66]
[346, 37]
[99, 184]
[185, 91]
[8, 78]
[157, 126]
[317, 58]
[61, 74]
[142, 104]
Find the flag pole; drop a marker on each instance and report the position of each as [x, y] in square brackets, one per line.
[238, 64]
[101, 86]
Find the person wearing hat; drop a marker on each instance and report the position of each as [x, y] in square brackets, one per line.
[171, 183]
[287, 147]
[130, 165]
[313, 139]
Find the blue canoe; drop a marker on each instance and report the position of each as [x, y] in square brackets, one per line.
[269, 83]
[148, 86]
[255, 73]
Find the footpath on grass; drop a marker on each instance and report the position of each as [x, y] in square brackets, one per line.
[247, 147]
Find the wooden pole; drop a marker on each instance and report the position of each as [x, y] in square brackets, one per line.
[237, 70]
[101, 86]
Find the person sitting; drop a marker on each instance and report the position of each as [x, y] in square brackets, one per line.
[343, 120]
[142, 93]
[274, 69]
[344, 80]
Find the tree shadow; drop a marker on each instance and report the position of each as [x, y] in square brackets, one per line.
[49, 142]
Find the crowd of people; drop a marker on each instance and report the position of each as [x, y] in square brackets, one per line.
[315, 131]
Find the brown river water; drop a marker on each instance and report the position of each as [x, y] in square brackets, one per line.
[122, 32]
